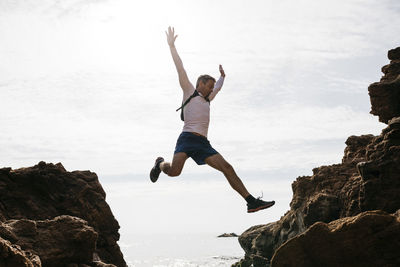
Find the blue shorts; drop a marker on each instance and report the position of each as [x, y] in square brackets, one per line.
[196, 147]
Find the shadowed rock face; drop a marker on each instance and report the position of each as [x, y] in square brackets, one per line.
[367, 179]
[371, 238]
[385, 95]
[13, 255]
[381, 171]
[64, 239]
[330, 193]
[46, 191]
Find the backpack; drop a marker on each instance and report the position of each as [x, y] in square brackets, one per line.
[196, 93]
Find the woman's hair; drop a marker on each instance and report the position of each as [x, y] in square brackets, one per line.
[204, 78]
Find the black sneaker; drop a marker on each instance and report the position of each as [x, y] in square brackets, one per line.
[259, 204]
[155, 171]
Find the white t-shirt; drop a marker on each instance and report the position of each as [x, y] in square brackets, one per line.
[197, 111]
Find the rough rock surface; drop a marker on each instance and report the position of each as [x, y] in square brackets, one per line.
[385, 95]
[381, 171]
[13, 256]
[45, 191]
[367, 179]
[64, 239]
[330, 193]
[371, 238]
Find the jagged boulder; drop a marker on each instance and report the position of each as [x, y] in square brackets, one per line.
[13, 256]
[371, 238]
[58, 242]
[381, 171]
[330, 193]
[367, 179]
[385, 94]
[46, 191]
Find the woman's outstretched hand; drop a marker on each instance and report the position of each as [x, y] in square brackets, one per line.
[171, 37]
[221, 70]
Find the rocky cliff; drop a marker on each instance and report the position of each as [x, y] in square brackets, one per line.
[51, 217]
[345, 214]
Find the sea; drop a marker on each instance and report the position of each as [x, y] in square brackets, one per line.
[177, 221]
[182, 250]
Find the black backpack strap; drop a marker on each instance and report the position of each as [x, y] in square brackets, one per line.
[186, 102]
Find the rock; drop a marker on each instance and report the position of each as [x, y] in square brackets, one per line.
[337, 191]
[371, 238]
[356, 147]
[329, 194]
[62, 240]
[101, 264]
[384, 98]
[46, 191]
[385, 95]
[394, 54]
[380, 173]
[13, 256]
[228, 235]
[245, 262]
[367, 179]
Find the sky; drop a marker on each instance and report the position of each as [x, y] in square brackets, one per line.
[91, 84]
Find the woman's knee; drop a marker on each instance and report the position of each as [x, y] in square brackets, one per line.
[227, 168]
[173, 172]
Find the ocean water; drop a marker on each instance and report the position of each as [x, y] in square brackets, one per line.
[176, 221]
[182, 250]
